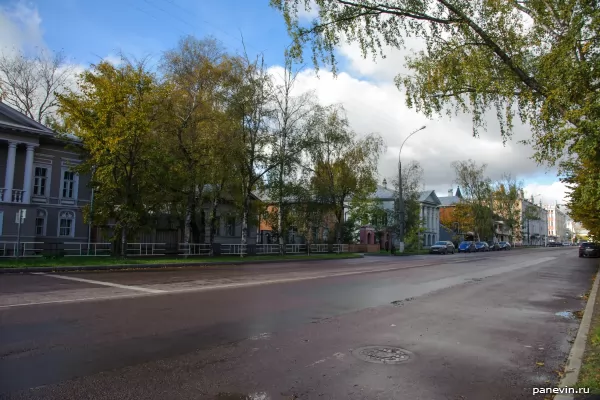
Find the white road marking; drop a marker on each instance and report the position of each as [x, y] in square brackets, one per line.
[101, 283]
[79, 300]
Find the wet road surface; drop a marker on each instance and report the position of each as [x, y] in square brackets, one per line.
[481, 326]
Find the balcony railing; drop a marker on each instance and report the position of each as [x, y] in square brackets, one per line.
[17, 196]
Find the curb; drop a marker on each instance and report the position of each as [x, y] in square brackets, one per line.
[155, 266]
[576, 354]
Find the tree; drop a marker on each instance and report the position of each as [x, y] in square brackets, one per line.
[114, 112]
[198, 74]
[251, 109]
[534, 59]
[291, 112]
[30, 84]
[505, 201]
[342, 166]
[412, 185]
[477, 194]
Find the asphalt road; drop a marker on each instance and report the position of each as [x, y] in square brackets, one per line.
[477, 326]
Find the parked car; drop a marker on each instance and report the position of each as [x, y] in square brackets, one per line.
[482, 246]
[554, 244]
[566, 243]
[466, 247]
[442, 247]
[494, 246]
[504, 245]
[589, 249]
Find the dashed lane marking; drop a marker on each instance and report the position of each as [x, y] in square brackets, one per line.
[102, 283]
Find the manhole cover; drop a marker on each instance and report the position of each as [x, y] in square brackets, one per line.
[383, 354]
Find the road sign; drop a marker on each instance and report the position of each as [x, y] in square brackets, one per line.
[20, 216]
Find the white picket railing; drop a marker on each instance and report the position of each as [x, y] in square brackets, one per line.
[319, 248]
[195, 249]
[295, 248]
[146, 249]
[26, 249]
[233, 249]
[268, 249]
[81, 249]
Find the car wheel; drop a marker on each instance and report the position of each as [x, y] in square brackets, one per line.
[581, 256]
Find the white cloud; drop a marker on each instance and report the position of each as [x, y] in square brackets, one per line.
[20, 28]
[555, 192]
[379, 107]
[309, 14]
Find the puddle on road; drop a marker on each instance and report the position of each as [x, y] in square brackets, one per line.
[565, 314]
[241, 396]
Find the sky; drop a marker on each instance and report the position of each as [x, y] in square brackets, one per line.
[90, 31]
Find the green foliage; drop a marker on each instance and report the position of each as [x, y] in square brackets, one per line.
[536, 60]
[115, 113]
[342, 166]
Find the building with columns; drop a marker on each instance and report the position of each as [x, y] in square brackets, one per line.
[36, 173]
[430, 215]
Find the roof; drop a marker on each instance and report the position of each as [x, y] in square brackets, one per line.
[14, 120]
[429, 196]
[382, 193]
[17, 121]
[449, 200]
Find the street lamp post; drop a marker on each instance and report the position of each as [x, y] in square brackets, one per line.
[91, 212]
[401, 212]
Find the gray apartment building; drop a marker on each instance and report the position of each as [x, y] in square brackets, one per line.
[36, 175]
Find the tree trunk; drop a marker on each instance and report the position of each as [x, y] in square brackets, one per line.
[213, 221]
[189, 210]
[123, 242]
[280, 228]
[245, 212]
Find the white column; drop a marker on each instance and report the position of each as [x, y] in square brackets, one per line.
[10, 171]
[28, 174]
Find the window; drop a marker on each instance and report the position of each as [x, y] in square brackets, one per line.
[40, 181]
[40, 223]
[230, 226]
[66, 224]
[68, 185]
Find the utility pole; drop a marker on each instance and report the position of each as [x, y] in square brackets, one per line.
[400, 220]
[91, 212]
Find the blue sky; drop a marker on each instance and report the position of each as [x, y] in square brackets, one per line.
[87, 31]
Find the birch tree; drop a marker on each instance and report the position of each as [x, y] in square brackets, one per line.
[30, 84]
[291, 113]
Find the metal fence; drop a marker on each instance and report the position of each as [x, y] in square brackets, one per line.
[195, 249]
[76, 249]
[146, 249]
[23, 249]
[82, 249]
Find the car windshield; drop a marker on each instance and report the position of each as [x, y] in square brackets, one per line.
[440, 243]
[465, 243]
[479, 244]
[502, 243]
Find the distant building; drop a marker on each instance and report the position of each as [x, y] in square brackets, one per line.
[557, 223]
[446, 211]
[430, 215]
[533, 223]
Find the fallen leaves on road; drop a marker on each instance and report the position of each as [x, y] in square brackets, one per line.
[539, 364]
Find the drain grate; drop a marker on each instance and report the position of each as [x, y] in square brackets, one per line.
[383, 354]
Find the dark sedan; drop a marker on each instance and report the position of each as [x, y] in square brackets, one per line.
[504, 245]
[588, 249]
[482, 246]
[442, 247]
[466, 247]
